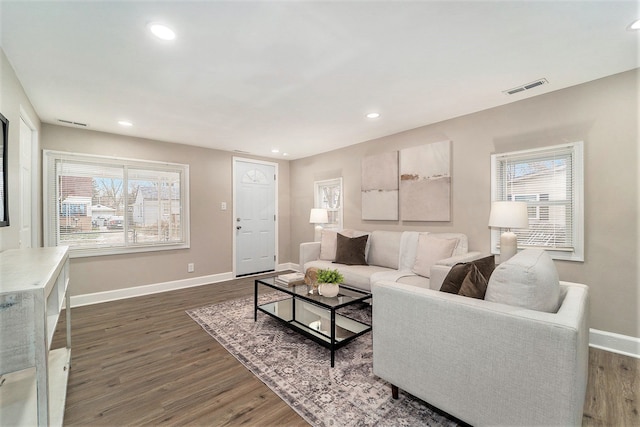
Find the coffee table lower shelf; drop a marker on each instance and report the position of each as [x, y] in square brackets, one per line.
[322, 325]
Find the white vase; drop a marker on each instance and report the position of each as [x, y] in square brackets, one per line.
[328, 289]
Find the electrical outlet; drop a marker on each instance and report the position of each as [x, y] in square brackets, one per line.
[223, 206]
[191, 267]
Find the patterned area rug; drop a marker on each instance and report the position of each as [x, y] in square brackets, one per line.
[298, 369]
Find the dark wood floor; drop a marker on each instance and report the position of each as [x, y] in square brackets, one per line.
[143, 361]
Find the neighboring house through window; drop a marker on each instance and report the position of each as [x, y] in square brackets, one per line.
[102, 205]
[550, 181]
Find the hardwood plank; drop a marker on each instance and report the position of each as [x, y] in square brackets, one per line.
[143, 361]
[612, 391]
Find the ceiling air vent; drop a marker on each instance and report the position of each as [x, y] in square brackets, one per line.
[69, 122]
[527, 86]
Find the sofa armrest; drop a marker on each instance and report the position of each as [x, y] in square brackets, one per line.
[483, 362]
[438, 274]
[469, 256]
[309, 251]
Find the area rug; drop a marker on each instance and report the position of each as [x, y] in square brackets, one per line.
[299, 370]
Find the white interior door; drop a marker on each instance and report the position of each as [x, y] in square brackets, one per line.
[26, 138]
[255, 217]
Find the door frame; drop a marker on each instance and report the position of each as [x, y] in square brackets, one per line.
[35, 181]
[235, 160]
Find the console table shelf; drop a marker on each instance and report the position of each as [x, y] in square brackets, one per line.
[33, 289]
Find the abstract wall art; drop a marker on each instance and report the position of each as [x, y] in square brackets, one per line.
[379, 186]
[425, 182]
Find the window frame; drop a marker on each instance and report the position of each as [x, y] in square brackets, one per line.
[51, 214]
[576, 150]
[318, 202]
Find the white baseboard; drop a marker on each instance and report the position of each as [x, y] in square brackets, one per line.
[616, 343]
[138, 291]
[288, 266]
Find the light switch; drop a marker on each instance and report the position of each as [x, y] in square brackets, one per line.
[223, 206]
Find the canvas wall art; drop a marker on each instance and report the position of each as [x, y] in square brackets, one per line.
[380, 186]
[425, 182]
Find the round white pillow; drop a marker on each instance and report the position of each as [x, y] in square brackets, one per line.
[529, 279]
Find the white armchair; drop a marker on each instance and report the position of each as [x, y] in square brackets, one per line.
[484, 362]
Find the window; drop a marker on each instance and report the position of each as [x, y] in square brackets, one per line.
[328, 195]
[550, 180]
[101, 205]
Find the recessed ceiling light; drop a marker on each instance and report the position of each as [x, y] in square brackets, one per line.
[275, 150]
[285, 154]
[161, 31]
[373, 115]
[125, 123]
[635, 25]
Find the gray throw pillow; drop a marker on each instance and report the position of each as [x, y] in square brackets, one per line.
[528, 280]
[350, 251]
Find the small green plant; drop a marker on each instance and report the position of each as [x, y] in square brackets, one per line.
[326, 275]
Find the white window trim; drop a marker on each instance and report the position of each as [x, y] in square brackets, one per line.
[578, 200]
[317, 202]
[49, 238]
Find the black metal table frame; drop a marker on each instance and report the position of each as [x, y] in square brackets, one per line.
[333, 345]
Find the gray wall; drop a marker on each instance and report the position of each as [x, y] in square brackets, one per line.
[13, 102]
[211, 228]
[602, 113]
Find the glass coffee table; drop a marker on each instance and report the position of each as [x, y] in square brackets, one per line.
[313, 315]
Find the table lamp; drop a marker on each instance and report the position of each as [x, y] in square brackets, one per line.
[318, 216]
[508, 215]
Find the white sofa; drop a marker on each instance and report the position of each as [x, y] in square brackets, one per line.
[486, 362]
[390, 255]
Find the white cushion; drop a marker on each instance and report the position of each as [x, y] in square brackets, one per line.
[384, 248]
[328, 243]
[430, 250]
[528, 280]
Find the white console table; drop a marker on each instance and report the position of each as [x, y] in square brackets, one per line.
[33, 378]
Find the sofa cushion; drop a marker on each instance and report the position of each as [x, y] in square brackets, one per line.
[529, 279]
[414, 280]
[453, 282]
[351, 251]
[328, 243]
[358, 276]
[384, 248]
[474, 284]
[430, 250]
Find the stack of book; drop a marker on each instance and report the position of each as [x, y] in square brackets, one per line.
[290, 279]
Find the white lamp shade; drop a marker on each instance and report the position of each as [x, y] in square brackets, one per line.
[319, 216]
[509, 215]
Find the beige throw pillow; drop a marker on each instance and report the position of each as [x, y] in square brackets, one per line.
[431, 250]
[328, 243]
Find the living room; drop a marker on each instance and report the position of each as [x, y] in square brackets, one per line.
[603, 113]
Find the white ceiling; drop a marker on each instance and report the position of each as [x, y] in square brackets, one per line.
[300, 76]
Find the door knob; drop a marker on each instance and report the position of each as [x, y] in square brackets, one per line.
[238, 227]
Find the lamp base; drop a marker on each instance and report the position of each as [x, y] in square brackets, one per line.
[318, 233]
[508, 245]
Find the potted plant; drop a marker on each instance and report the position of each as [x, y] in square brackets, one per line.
[329, 281]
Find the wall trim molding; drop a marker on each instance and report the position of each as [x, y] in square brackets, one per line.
[615, 343]
[138, 291]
